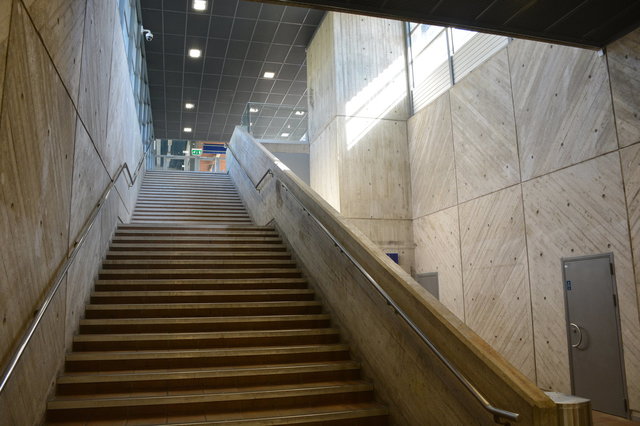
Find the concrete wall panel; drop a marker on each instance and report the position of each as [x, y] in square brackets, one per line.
[437, 239]
[484, 133]
[562, 105]
[494, 266]
[431, 156]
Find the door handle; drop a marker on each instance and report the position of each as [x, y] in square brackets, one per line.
[579, 330]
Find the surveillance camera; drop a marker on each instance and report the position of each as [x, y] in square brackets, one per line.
[148, 35]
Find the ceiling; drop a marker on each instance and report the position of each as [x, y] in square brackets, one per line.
[240, 41]
[582, 23]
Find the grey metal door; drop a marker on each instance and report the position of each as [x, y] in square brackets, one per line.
[593, 327]
[429, 281]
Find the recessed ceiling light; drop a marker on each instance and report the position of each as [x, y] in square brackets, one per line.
[187, 129]
[269, 74]
[299, 112]
[253, 110]
[195, 53]
[200, 4]
[189, 105]
[285, 135]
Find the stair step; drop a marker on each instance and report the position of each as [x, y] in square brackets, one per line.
[179, 264]
[202, 273]
[205, 239]
[151, 310]
[201, 284]
[363, 414]
[200, 296]
[149, 341]
[197, 255]
[210, 247]
[275, 397]
[206, 378]
[124, 232]
[177, 325]
[204, 358]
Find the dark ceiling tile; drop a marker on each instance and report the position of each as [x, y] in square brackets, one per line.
[174, 44]
[232, 67]
[192, 79]
[210, 81]
[248, 9]
[297, 55]
[304, 36]
[271, 12]
[278, 52]
[281, 86]
[193, 65]
[289, 72]
[314, 17]
[157, 45]
[220, 26]
[219, 119]
[190, 93]
[237, 49]
[297, 88]
[257, 51]
[242, 97]
[275, 99]
[189, 117]
[224, 7]
[155, 61]
[196, 43]
[264, 31]
[237, 108]
[213, 65]
[264, 85]
[207, 94]
[205, 108]
[293, 14]
[151, 4]
[246, 83]
[216, 48]
[252, 69]
[179, 5]
[224, 96]
[173, 78]
[291, 100]
[229, 83]
[174, 23]
[243, 29]
[152, 19]
[205, 117]
[173, 92]
[197, 25]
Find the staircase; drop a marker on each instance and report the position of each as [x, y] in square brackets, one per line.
[200, 317]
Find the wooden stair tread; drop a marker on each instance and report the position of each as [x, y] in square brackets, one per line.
[221, 320]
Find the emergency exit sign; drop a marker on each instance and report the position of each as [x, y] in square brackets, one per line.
[196, 151]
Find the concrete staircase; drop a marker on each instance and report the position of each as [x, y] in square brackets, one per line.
[200, 317]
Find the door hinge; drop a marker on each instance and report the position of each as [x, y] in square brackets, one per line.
[613, 272]
[615, 300]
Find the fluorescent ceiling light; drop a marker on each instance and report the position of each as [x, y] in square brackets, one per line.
[189, 105]
[299, 112]
[200, 4]
[187, 129]
[285, 135]
[195, 53]
[253, 109]
[269, 74]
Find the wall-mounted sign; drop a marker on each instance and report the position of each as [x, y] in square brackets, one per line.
[195, 151]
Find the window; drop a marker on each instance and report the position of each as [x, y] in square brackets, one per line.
[439, 57]
[134, 49]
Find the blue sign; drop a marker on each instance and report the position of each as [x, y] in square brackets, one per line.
[568, 285]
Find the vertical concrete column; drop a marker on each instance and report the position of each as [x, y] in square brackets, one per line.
[358, 111]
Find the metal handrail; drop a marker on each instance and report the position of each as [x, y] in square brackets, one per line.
[500, 416]
[39, 314]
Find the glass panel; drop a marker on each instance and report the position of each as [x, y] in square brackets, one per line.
[460, 38]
